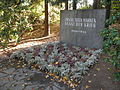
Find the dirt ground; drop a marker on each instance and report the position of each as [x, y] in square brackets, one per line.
[99, 78]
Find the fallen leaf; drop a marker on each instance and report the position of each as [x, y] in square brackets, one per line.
[13, 85]
[28, 78]
[109, 77]
[72, 85]
[52, 79]
[89, 81]
[79, 82]
[87, 86]
[65, 78]
[57, 63]
[23, 85]
[56, 77]
[94, 74]
[69, 82]
[46, 76]
[23, 65]
[18, 66]
[98, 69]
[109, 69]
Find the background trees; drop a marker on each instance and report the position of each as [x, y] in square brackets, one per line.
[74, 4]
[96, 4]
[46, 19]
[14, 20]
[66, 4]
[20, 16]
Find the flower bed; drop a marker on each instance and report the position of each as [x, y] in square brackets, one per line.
[61, 59]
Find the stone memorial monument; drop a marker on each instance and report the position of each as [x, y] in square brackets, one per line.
[82, 27]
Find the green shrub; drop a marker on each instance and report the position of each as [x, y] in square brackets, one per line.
[111, 44]
[14, 20]
[19, 16]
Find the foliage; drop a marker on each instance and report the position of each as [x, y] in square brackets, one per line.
[19, 16]
[54, 14]
[117, 76]
[14, 20]
[112, 42]
[61, 59]
[56, 2]
[113, 19]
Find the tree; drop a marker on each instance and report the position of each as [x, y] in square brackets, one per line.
[86, 2]
[107, 3]
[14, 20]
[96, 4]
[46, 32]
[108, 8]
[74, 4]
[46, 19]
[66, 4]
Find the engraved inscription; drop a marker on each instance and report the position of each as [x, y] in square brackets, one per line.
[81, 31]
[81, 22]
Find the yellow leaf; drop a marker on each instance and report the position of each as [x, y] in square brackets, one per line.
[87, 86]
[65, 78]
[56, 77]
[118, 70]
[56, 63]
[18, 66]
[109, 68]
[51, 79]
[69, 81]
[98, 69]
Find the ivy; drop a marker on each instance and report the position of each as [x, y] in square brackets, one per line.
[111, 44]
[113, 19]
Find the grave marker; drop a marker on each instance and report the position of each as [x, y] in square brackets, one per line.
[82, 27]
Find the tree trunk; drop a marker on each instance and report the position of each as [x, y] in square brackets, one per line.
[46, 19]
[74, 4]
[108, 8]
[66, 4]
[96, 4]
[86, 3]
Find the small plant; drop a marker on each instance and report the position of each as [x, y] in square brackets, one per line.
[60, 59]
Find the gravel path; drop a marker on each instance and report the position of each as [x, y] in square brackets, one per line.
[26, 79]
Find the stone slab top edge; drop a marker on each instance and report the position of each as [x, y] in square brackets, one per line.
[82, 10]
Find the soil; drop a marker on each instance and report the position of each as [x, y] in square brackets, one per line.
[38, 31]
[100, 76]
